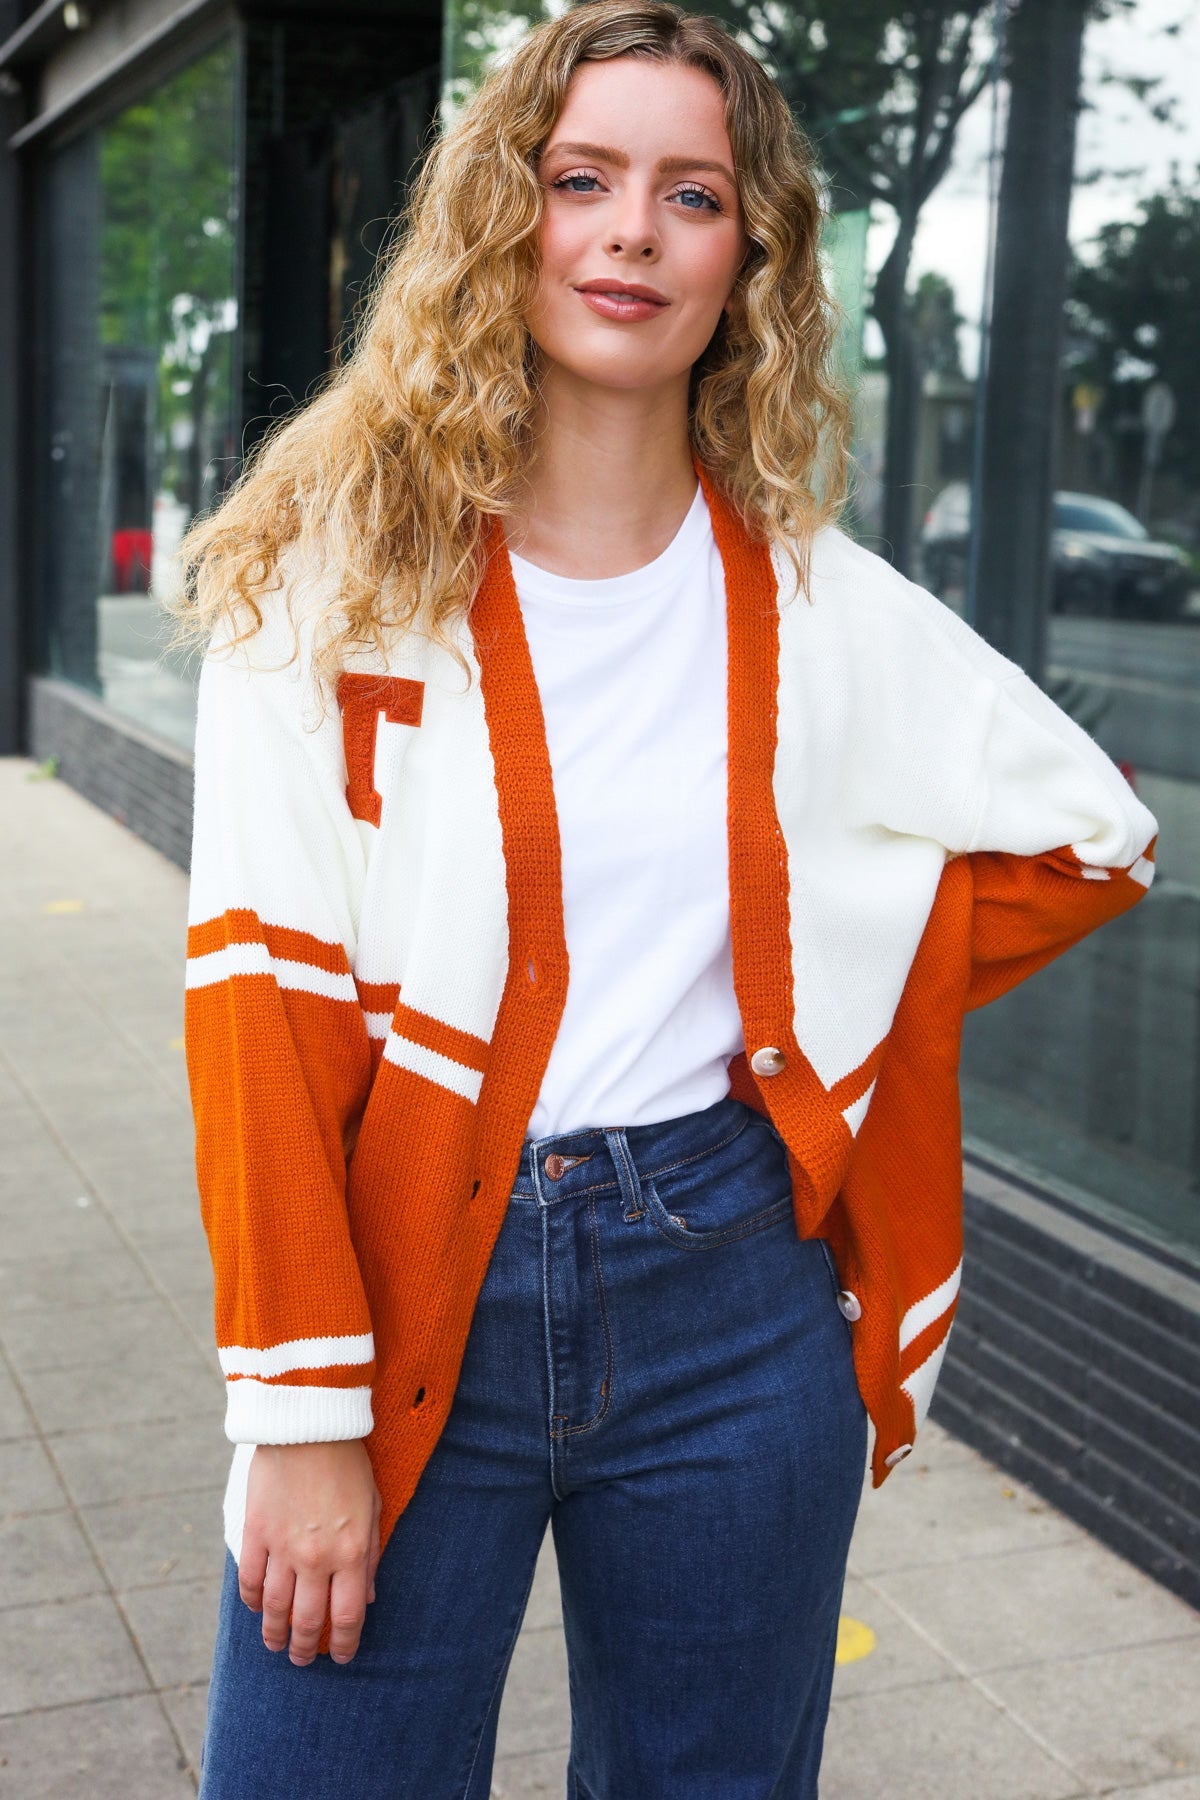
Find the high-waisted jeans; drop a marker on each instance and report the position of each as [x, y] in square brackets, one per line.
[657, 1367]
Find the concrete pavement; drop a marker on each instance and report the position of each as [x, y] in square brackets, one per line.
[993, 1650]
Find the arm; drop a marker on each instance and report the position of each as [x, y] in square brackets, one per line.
[279, 1067]
[1060, 843]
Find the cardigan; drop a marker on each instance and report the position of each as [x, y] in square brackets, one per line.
[376, 964]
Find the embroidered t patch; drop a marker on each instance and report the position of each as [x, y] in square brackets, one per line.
[362, 698]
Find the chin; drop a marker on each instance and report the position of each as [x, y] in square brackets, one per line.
[614, 367]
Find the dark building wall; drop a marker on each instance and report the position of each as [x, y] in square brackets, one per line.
[141, 780]
[12, 263]
[1074, 1363]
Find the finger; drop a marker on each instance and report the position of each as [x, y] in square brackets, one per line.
[278, 1590]
[252, 1567]
[347, 1609]
[308, 1615]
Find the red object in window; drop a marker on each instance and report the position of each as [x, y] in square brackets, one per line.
[131, 553]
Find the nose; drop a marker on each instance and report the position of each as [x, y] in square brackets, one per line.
[633, 232]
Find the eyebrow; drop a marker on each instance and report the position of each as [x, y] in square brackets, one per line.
[667, 165]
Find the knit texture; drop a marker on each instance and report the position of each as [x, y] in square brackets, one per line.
[377, 966]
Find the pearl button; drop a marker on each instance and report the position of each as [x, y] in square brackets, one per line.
[898, 1455]
[767, 1061]
[849, 1305]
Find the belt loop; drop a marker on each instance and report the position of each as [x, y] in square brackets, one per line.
[627, 1175]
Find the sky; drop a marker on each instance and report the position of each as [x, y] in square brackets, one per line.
[1116, 133]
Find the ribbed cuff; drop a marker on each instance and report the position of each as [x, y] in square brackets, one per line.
[262, 1412]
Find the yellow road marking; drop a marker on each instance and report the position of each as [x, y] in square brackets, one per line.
[854, 1640]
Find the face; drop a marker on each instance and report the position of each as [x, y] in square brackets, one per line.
[642, 232]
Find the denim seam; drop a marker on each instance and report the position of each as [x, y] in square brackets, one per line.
[598, 1415]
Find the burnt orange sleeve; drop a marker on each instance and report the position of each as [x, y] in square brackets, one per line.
[1029, 909]
[278, 1057]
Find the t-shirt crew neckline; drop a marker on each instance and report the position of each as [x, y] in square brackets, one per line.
[636, 584]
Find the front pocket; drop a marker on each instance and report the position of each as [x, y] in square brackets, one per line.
[712, 1214]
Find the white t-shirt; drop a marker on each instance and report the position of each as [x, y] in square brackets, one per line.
[631, 670]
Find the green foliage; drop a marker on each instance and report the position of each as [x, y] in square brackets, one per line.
[1132, 312]
[879, 88]
[935, 322]
[168, 243]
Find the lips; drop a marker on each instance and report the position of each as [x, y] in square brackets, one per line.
[625, 290]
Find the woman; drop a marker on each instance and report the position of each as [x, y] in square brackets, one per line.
[595, 853]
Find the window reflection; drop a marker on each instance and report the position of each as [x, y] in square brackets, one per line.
[144, 405]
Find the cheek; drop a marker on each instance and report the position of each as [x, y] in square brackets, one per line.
[562, 240]
[712, 265]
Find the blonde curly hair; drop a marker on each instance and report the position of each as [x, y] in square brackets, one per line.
[386, 479]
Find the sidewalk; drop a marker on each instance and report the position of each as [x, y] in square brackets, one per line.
[1001, 1653]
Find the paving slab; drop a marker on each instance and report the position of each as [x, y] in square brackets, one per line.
[138, 1331]
[45, 1556]
[1118, 1715]
[538, 1776]
[942, 1739]
[28, 1483]
[1188, 1788]
[108, 1750]
[958, 1510]
[151, 1540]
[533, 1715]
[167, 1456]
[16, 1421]
[1037, 1606]
[64, 1651]
[72, 1277]
[118, 1394]
[185, 1707]
[174, 1625]
[897, 1656]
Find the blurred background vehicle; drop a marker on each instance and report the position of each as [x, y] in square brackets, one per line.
[1104, 562]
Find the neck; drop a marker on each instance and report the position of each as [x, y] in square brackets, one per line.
[610, 478]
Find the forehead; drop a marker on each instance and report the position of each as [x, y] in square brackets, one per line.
[644, 106]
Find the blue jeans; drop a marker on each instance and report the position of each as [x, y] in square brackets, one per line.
[658, 1368]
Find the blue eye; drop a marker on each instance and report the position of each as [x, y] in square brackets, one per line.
[567, 181]
[701, 194]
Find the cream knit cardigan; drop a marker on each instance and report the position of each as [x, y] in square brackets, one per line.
[376, 966]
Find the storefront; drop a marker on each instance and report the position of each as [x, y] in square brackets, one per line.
[191, 199]
[203, 191]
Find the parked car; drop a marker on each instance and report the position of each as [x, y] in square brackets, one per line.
[1105, 563]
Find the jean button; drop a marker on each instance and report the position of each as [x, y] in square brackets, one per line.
[554, 1166]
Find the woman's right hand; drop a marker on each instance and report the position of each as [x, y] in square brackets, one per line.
[310, 1544]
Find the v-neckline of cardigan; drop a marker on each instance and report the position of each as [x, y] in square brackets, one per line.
[536, 982]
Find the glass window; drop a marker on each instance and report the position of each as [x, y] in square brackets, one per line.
[141, 221]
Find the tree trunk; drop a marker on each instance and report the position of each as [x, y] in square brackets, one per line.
[903, 364]
[1014, 513]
